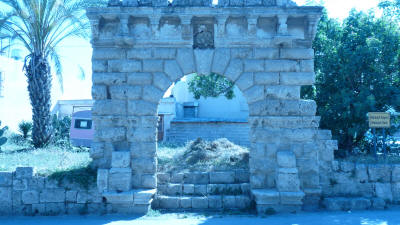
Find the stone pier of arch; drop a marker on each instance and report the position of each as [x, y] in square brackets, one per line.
[264, 47]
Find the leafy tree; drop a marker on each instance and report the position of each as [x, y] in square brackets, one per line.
[357, 67]
[41, 26]
[212, 85]
[391, 8]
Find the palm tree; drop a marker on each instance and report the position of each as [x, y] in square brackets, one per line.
[41, 26]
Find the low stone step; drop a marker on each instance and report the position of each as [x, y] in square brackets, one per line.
[130, 202]
[271, 200]
[177, 189]
[353, 204]
[212, 202]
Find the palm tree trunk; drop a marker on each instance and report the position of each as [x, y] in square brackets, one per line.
[39, 86]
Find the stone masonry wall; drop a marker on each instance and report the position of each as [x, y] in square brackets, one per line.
[265, 49]
[357, 186]
[25, 193]
[236, 132]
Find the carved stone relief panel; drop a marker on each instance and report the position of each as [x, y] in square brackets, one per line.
[203, 33]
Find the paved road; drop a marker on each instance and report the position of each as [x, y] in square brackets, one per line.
[390, 217]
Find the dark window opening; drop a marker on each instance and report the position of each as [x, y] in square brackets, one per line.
[83, 124]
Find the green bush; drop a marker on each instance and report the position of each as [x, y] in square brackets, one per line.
[61, 128]
[25, 128]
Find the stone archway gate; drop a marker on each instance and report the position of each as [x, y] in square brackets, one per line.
[264, 46]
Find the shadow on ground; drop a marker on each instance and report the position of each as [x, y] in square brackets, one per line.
[389, 217]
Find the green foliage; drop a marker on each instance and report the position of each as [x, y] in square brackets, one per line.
[391, 8]
[85, 177]
[357, 66]
[212, 85]
[25, 127]
[3, 139]
[61, 128]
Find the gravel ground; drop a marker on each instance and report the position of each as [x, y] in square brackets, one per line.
[388, 217]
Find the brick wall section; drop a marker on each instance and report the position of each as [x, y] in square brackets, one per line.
[181, 132]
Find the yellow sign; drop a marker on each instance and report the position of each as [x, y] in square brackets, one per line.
[379, 120]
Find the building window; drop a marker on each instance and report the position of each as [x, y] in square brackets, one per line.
[83, 124]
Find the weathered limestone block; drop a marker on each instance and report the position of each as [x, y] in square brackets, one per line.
[395, 174]
[141, 135]
[70, 196]
[307, 165]
[30, 197]
[111, 133]
[139, 53]
[23, 172]
[52, 195]
[165, 53]
[307, 65]
[396, 192]
[120, 159]
[200, 189]
[99, 92]
[241, 53]
[216, 189]
[266, 78]
[253, 2]
[379, 173]
[20, 184]
[172, 70]
[152, 94]
[199, 203]
[222, 177]
[163, 178]
[108, 53]
[186, 202]
[229, 201]
[122, 92]
[37, 182]
[254, 94]
[291, 198]
[119, 179]
[109, 78]
[288, 180]
[5, 196]
[378, 203]
[242, 176]
[347, 167]
[286, 159]
[203, 59]
[234, 69]
[185, 58]
[221, 60]
[139, 78]
[297, 78]
[266, 197]
[109, 107]
[337, 204]
[5, 179]
[297, 53]
[124, 66]
[360, 204]
[361, 173]
[214, 201]
[153, 65]
[246, 188]
[161, 81]
[188, 189]
[242, 201]
[281, 66]
[149, 181]
[384, 191]
[253, 65]
[266, 53]
[174, 189]
[119, 198]
[196, 178]
[177, 177]
[245, 81]
[99, 65]
[102, 180]
[141, 108]
[167, 202]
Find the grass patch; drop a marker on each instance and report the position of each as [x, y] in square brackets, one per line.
[45, 161]
[85, 176]
[200, 155]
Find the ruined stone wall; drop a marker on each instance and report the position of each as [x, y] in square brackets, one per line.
[138, 52]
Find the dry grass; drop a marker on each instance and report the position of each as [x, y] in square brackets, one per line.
[200, 155]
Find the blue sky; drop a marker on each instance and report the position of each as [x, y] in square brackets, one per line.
[78, 52]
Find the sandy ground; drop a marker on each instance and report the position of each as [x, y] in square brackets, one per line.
[389, 217]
